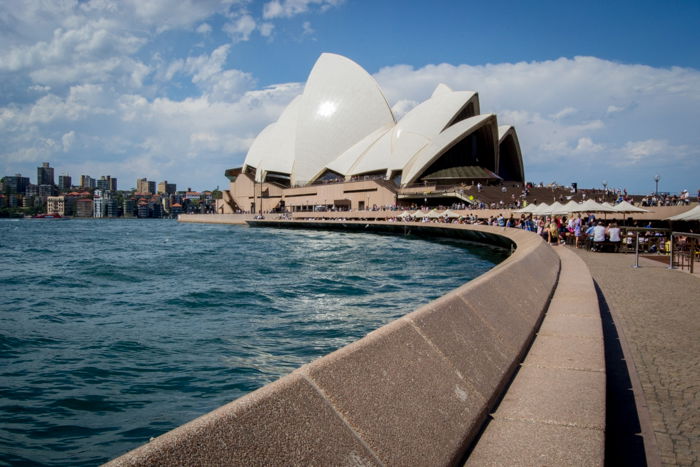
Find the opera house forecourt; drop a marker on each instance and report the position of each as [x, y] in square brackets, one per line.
[338, 146]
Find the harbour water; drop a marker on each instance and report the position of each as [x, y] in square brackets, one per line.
[115, 331]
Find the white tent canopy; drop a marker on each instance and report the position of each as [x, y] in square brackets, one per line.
[691, 215]
[433, 214]
[540, 209]
[591, 206]
[450, 214]
[557, 209]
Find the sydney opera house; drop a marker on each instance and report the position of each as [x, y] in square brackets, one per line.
[338, 146]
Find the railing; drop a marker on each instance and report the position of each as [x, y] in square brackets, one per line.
[684, 250]
[645, 240]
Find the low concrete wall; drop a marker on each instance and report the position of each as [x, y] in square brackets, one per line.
[414, 392]
[216, 218]
[554, 411]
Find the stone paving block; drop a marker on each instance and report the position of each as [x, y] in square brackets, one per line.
[571, 325]
[402, 396]
[285, 423]
[552, 395]
[567, 352]
[580, 302]
[467, 342]
[518, 443]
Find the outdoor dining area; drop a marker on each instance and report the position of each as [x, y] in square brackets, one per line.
[572, 207]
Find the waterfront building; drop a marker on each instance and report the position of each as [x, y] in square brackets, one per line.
[13, 200]
[56, 205]
[166, 188]
[111, 207]
[193, 195]
[64, 182]
[106, 182]
[175, 209]
[44, 174]
[144, 186]
[87, 182]
[84, 207]
[155, 208]
[341, 131]
[143, 211]
[129, 207]
[98, 198]
[16, 184]
[45, 191]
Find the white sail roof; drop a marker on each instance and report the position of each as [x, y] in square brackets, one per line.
[444, 141]
[414, 131]
[273, 149]
[342, 122]
[341, 105]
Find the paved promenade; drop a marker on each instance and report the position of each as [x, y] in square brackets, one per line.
[657, 315]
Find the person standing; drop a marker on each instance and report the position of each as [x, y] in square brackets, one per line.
[598, 235]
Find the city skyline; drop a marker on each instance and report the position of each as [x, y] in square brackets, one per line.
[168, 89]
[111, 181]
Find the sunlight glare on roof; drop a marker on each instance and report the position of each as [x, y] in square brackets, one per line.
[326, 109]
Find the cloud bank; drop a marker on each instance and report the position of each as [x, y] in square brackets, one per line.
[90, 88]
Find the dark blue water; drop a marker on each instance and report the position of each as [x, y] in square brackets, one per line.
[114, 331]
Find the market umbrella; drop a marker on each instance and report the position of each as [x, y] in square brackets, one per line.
[541, 209]
[591, 206]
[405, 214]
[529, 208]
[626, 206]
[557, 209]
[450, 214]
[433, 214]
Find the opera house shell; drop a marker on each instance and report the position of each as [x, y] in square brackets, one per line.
[341, 128]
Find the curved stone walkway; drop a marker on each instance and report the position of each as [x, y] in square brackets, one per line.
[657, 314]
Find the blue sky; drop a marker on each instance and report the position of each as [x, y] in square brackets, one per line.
[178, 90]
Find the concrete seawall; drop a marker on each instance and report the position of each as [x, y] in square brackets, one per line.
[417, 391]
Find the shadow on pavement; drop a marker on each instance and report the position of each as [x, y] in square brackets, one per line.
[624, 444]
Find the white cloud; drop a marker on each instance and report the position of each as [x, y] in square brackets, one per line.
[191, 140]
[204, 28]
[586, 145]
[209, 74]
[307, 30]
[568, 113]
[241, 28]
[68, 139]
[565, 112]
[266, 29]
[650, 151]
[289, 8]
[402, 107]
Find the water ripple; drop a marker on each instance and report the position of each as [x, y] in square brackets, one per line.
[114, 332]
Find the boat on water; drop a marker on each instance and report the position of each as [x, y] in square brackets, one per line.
[54, 215]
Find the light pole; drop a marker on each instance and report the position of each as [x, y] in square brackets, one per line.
[657, 177]
[605, 188]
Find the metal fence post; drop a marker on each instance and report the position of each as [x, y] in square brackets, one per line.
[670, 251]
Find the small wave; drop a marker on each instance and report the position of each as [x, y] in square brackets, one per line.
[99, 404]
